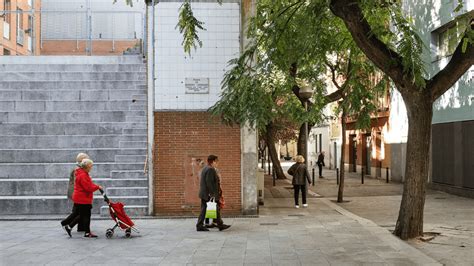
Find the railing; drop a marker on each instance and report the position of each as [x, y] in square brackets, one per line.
[74, 32]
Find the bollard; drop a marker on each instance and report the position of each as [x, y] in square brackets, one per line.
[337, 176]
[269, 166]
[387, 175]
[313, 176]
[274, 176]
[362, 175]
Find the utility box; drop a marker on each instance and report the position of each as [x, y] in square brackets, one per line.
[260, 185]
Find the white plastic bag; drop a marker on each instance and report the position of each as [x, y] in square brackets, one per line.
[211, 209]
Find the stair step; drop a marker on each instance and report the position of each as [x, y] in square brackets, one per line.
[72, 60]
[71, 85]
[62, 170]
[72, 76]
[73, 68]
[58, 155]
[58, 204]
[80, 116]
[131, 210]
[133, 144]
[58, 106]
[135, 131]
[103, 128]
[72, 141]
[128, 174]
[74, 95]
[130, 158]
[136, 118]
[127, 191]
[58, 186]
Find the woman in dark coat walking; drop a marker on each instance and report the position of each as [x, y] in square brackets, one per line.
[300, 176]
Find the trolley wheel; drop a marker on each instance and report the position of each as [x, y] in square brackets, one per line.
[128, 233]
[109, 233]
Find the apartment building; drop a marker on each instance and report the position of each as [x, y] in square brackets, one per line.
[20, 27]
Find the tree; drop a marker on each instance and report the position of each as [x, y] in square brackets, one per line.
[401, 62]
[385, 36]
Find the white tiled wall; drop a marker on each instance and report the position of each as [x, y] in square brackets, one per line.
[220, 44]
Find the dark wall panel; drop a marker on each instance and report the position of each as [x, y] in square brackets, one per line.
[453, 154]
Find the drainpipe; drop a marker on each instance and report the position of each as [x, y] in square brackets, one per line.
[151, 99]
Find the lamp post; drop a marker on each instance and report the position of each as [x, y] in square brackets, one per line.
[306, 92]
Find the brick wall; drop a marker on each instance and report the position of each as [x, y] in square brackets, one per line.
[181, 136]
[59, 47]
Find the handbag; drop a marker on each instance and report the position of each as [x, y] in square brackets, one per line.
[211, 209]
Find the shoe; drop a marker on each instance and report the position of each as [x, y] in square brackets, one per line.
[223, 227]
[321, 177]
[90, 235]
[201, 229]
[213, 225]
[297, 206]
[305, 205]
[68, 230]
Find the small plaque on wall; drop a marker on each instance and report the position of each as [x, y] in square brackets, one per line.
[197, 85]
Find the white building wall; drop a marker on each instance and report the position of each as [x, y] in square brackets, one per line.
[316, 145]
[206, 65]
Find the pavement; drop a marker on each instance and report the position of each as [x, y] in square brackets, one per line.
[325, 233]
[447, 218]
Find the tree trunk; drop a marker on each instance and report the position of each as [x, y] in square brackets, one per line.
[300, 146]
[340, 191]
[273, 153]
[410, 217]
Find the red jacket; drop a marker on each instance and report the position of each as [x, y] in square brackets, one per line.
[83, 188]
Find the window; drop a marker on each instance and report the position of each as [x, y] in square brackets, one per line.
[6, 52]
[8, 7]
[448, 37]
[19, 19]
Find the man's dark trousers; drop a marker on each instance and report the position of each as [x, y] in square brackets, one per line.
[320, 165]
[202, 215]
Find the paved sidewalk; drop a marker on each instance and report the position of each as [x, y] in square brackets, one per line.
[449, 216]
[323, 234]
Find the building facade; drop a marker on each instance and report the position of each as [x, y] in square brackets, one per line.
[367, 149]
[20, 27]
[452, 143]
[184, 87]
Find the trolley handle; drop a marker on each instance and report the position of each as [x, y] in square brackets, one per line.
[106, 199]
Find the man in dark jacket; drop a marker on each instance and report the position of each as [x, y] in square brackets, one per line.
[209, 188]
[321, 164]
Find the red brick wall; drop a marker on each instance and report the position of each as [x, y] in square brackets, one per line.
[180, 136]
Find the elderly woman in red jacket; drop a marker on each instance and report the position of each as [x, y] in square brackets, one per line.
[83, 196]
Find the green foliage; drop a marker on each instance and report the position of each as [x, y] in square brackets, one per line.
[189, 25]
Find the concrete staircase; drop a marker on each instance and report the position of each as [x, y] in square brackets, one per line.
[52, 108]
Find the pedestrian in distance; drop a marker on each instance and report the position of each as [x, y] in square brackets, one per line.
[83, 197]
[300, 176]
[73, 218]
[320, 164]
[208, 189]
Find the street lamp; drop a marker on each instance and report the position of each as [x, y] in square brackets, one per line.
[306, 92]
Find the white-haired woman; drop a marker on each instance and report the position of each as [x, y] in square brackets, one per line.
[300, 176]
[83, 196]
[73, 218]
